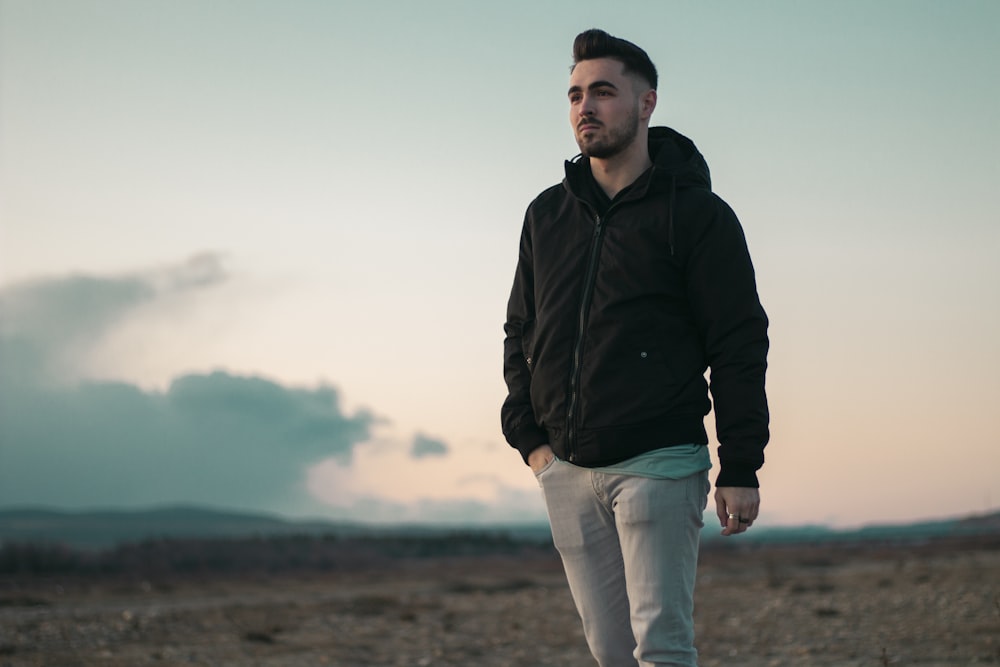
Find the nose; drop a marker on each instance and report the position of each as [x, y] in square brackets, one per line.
[586, 106]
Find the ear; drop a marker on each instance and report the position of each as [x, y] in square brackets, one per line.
[647, 104]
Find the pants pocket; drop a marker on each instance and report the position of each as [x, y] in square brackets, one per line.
[547, 467]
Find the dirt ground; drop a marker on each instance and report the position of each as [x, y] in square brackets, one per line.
[773, 606]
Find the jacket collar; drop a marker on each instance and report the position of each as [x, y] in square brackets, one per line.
[677, 163]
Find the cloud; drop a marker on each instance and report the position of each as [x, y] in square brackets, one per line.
[50, 324]
[425, 446]
[213, 438]
[71, 437]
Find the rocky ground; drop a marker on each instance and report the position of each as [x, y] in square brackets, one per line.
[773, 606]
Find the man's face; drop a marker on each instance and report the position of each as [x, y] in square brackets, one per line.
[604, 108]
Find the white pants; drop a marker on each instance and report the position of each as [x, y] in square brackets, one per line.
[629, 545]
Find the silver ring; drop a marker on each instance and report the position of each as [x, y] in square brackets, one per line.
[733, 516]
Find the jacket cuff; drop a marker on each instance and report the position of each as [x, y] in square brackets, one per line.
[734, 474]
[527, 438]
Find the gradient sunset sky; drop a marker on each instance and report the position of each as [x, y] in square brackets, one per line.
[256, 255]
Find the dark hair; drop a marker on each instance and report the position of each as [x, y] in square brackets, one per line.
[594, 43]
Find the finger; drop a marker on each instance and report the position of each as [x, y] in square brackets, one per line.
[737, 522]
[747, 511]
[732, 524]
[720, 509]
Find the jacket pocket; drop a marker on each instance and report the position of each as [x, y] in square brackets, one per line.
[628, 380]
[649, 353]
[528, 343]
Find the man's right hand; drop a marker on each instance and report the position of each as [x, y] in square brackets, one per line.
[540, 457]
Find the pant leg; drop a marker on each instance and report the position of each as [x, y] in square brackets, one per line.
[585, 534]
[659, 523]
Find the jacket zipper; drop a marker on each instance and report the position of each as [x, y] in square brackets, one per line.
[574, 383]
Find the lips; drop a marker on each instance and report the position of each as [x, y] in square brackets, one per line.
[587, 125]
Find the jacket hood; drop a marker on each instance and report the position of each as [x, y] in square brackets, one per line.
[677, 163]
[677, 156]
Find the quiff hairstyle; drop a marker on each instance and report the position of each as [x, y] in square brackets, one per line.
[594, 43]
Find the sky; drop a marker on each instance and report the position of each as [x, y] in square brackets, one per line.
[256, 254]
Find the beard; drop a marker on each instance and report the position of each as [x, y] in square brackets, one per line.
[614, 141]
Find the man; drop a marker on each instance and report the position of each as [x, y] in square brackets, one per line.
[632, 280]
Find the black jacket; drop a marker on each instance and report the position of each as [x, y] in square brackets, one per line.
[613, 320]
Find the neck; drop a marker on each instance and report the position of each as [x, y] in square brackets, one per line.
[616, 173]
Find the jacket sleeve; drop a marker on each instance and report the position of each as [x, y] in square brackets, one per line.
[517, 417]
[722, 291]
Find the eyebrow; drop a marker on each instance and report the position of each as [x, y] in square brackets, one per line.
[592, 86]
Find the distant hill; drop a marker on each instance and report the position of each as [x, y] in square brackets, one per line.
[972, 526]
[105, 529]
